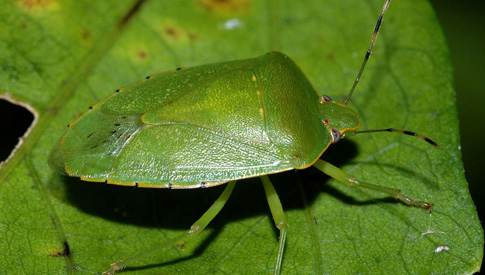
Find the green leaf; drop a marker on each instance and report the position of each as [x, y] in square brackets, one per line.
[60, 57]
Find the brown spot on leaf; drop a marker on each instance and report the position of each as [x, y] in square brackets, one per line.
[172, 32]
[180, 245]
[226, 7]
[32, 3]
[192, 36]
[36, 5]
[141, 54]
[85, 35]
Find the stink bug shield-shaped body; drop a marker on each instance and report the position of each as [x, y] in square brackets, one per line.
[209, 125]
[205, 125]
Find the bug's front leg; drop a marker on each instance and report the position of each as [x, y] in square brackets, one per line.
[350, 180]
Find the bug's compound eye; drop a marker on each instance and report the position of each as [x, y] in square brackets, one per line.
[335, 135]
[325, 98]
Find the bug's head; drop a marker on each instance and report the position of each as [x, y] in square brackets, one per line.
[337, 117]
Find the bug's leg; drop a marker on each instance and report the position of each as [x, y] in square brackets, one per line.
[350, 180]
[278, 217]
[210, 214]
[195, 229]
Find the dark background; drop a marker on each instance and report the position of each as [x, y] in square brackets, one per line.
[463, 24]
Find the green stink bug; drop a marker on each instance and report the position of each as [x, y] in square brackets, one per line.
[209, 125]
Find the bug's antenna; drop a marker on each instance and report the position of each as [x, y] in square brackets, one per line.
[397, 131]
[369, 51]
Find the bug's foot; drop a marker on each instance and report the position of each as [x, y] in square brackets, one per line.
[410, 201]
[114, 268]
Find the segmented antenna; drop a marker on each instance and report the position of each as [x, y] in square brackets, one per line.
[397, 131]
[369, 51]
[366, 58]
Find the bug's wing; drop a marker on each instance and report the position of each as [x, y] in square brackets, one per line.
[184, 154]
[204, 124]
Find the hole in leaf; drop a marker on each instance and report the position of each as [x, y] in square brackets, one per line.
[14, 122]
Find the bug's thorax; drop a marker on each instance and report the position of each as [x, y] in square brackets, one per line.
[337, 117]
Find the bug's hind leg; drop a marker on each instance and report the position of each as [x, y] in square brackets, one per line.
[195, 229]
[278, 217]
[350, 180]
